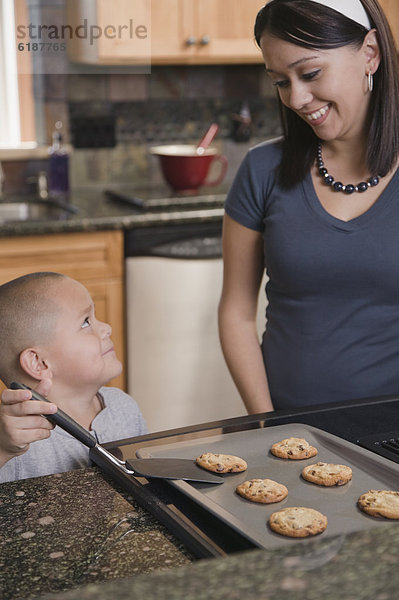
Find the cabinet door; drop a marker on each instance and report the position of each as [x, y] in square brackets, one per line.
[179, 31]
[125, 31]
[110, 32]
[173, 32]
[225, 31]
[169, 25]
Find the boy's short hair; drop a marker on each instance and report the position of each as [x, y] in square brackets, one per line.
[27, 318]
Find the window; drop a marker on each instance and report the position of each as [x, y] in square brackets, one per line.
[16, 93]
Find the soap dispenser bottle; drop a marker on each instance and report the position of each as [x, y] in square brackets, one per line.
[58, 170]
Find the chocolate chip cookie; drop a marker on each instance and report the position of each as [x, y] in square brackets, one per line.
[293, 448]
[265, 491]
[380, 503]
[298, 522]
[221, 463]
[327, 474]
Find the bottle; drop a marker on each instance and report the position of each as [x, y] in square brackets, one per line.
[242, 124]
[58, 169]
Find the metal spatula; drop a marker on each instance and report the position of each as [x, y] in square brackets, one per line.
[161, 468]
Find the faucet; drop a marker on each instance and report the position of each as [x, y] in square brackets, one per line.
[42, 185]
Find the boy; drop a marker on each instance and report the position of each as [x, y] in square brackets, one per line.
[52, 341]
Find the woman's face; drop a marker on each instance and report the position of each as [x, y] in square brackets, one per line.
[326, 88]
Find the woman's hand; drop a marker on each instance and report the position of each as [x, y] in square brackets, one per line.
[21, 420]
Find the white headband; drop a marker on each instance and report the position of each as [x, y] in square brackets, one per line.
[353, 9]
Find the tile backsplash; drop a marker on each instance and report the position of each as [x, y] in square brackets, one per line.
[169, 104]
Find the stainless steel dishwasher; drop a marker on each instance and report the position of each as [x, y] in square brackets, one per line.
[176, 370]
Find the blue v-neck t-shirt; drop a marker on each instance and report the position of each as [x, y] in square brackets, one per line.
[332, 330]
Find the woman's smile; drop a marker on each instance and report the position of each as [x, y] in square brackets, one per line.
[318, 116]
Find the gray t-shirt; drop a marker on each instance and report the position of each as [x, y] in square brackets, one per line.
[120, 418]
[332, 330]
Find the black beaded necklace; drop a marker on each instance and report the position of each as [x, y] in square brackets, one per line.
[337, 185]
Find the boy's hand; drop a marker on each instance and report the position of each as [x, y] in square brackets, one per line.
[21, 422]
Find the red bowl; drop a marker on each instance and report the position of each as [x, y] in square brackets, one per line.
[185, 169]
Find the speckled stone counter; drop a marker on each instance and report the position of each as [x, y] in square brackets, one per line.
[357, 567]
[77, 536]
[94, 211]
[67, 530]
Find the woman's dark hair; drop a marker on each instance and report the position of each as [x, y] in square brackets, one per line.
[312, 25]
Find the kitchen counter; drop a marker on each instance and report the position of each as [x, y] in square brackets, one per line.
[96, 212]
[361, 567]
[78, 532]
[79, 535]
[71, 529]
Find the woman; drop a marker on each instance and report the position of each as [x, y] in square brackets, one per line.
[320, 210]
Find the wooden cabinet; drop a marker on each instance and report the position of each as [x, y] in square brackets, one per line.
[157, 32]
[179, 31]
[109, 33]
[95, 259]
[205, 32]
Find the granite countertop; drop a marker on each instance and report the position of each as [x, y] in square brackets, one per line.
[77, 536]
[96, 212]
[358, 567]
[71, 529]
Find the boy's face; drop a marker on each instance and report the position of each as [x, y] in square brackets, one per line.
[80, 353]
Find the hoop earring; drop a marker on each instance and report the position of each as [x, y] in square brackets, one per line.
[370, 81]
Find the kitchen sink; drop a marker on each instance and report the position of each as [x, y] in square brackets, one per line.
[34, 210]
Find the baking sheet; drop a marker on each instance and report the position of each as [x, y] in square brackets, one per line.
[370, 471]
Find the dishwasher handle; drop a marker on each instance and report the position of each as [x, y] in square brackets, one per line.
[183, 240]
[189, 249]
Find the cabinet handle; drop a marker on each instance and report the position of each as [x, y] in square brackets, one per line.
[191, 40]
[205, 40]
